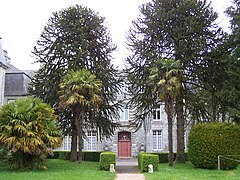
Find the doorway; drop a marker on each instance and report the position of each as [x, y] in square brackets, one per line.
[124, 144]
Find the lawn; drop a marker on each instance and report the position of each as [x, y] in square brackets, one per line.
[60, 170]
[188, 171]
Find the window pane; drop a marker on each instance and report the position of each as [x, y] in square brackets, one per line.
[126, 114]
[157, 140]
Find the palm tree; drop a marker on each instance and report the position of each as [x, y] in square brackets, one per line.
[28, 130]
[166, 75]
[81, 92]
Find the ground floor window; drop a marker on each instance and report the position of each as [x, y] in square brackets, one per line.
[91, 141]
[157, 139]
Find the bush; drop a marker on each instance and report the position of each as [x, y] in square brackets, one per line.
[91, 156]
[65, 155]
[87, 155]
[107, 158]
[208, 140]
[144, 159]
[4, 155]
[163, 157]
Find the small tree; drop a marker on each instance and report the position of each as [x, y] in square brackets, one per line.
[81, 92]
[28, 130]
[166, 75]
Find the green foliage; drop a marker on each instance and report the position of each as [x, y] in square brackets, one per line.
[76, 38]
[4, 155]
[87, 155]
[28, 130]
[65, 155]
[81, 92]
[91, 156]
[107, 158]
[163, 157]
[209, 140]
[144, 159]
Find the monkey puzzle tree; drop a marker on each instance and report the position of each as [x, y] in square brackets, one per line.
[183, 30]
[76, 38]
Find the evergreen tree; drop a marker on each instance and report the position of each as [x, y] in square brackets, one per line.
[183, 30]
[76, 38]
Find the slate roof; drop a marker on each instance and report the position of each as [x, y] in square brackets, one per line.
[16, 81]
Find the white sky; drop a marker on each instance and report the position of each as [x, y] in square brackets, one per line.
[22, 21]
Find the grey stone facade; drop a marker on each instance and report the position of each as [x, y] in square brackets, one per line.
[14, 84]
[3, 68]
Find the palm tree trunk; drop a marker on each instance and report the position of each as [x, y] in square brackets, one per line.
[180, 129]
[73, 154]
[80, 136]
[169, 110]
[79, 117]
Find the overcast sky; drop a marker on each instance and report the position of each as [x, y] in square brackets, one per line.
[22, 21]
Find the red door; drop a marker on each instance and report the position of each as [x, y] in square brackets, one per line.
[124, 144]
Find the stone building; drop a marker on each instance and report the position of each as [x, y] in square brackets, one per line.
[13, 82]
[3, 68]
[126, 141]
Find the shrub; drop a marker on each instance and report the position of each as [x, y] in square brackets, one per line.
[208, 140]
[28, 129]
[163, 157]
[65, 155]
[107, 158]
[144, 159]
[91, 156]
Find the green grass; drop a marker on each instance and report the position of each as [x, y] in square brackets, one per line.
[188, 171]
[59, 170]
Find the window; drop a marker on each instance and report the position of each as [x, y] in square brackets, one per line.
[91, 142]
[124, 114]
[157, 114]
[67, 143]
[124, 87]
[157, 140]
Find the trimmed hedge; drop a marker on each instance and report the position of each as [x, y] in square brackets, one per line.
[208, 140]
[107, 158]
[91, 156]
[144, 159]
[163, 157]
[87, 155]
[64, 155]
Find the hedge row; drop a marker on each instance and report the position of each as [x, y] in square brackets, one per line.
[163, 157]
[144, 159]
[107, 158]
[209, 140]
[87, 155]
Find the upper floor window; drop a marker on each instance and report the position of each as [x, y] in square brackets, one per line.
[124, 87]
[124, 114]
[156, 114]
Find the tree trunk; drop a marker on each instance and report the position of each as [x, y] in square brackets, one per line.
[19, 159]
[180, 128]
[79, 118]
[169, 110]
[73, 154]
[80, 139]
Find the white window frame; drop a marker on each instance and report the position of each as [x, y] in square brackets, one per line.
[155, 113]
[157, 140]
[124, 114]
[91, 137]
